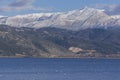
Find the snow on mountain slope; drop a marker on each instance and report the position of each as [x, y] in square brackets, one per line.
[1, 16]
[74, 20]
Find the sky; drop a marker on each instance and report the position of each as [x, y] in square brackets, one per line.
[19, 7]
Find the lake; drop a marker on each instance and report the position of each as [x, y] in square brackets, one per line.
[59, 69]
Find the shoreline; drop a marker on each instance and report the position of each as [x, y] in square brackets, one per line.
[60, 57]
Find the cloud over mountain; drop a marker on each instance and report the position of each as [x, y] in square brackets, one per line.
[19, 5]
[112, 9]
[115, 10]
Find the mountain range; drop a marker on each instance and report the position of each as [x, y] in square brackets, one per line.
[73, 20]
[87, 32]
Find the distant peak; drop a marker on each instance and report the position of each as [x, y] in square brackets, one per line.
[92, 9]
[86, 7]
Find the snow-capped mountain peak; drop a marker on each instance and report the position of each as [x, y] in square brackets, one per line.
[74, 20]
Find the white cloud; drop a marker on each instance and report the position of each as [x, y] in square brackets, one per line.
[112, 9]
[19, 5]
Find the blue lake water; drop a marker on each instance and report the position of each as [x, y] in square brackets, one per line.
[59, 69]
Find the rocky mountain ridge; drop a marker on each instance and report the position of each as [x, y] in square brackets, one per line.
[55, 42]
